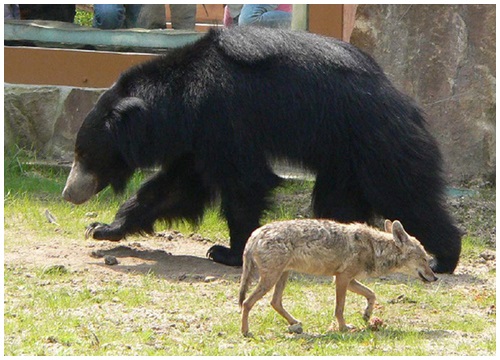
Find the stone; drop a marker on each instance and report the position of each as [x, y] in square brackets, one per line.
[75, 107]
[110, 260]
[46, 119]
[29, 115]
[55, 270]
[295, 328]
[444, 56]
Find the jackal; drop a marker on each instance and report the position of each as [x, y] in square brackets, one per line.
[324, 247]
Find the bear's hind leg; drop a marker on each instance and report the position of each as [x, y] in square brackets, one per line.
[339, 198]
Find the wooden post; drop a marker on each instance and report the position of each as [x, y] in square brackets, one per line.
[336, 20]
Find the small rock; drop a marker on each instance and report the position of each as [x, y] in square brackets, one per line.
[110, 260]
[492, 310]
[402, 299]
[52, 340]
[96, 254]
[375, 323]
[50, 218]
[209, 279]
[91, 214]
[55, 269]
[295, 328]
[488, 255]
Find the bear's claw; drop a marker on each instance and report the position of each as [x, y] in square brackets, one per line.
[224, 255]
[89, 230]
[101, 231]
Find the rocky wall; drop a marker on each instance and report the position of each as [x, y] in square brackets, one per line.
[45, 118]
[442, 55]
[445, 57]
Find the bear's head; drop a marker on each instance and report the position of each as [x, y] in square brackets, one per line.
[102, 148]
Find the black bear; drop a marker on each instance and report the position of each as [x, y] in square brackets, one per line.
[213, 114]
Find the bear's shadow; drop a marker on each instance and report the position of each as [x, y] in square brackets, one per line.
[163, 264]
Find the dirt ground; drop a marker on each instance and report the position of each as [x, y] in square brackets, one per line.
[177, 258]
[173, 255]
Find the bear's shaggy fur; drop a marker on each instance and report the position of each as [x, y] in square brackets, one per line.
[213, 115]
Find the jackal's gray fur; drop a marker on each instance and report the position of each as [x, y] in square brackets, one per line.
[324, 247]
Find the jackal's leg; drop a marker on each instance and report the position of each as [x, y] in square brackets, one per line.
[266, 283]
[360, 289]
[341, 285]
[277, 303]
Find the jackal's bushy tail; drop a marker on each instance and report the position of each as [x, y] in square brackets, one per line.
[246, 277]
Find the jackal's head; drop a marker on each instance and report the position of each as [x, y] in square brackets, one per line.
[414, 261]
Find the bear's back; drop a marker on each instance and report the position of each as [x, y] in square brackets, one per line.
[225, 52]
[252, 45]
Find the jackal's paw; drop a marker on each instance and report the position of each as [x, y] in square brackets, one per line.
[366, 316]
[345, 328]
[100, 231]
[247, 334]
[348, 327]
[295, 328]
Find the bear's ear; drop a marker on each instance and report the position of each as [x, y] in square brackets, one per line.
[129, 108]
[132, 130]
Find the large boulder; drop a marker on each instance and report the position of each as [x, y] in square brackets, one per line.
[444, 56]
[45, 118]
[30, 113]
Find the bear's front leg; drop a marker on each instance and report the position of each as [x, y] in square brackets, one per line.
[139, 213]
[100, 231]
[240, 229]
[171, 194]
[224, 255]
[132, 217]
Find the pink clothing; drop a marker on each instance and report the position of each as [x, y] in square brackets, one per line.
[285, 7]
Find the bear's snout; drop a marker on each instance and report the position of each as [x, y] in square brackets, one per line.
[80, 186]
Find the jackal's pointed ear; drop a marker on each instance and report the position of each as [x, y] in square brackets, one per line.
[399, 233]
[388, 226]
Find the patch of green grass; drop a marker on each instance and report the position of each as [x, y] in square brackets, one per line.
[59, 311]
[30, 190]
[47, 314]
[472, 246]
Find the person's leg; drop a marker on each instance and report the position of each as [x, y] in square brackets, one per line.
[264, 15]
[132, 13]
[145, 16]
[183, 17]
[108, 16]
[11, 12]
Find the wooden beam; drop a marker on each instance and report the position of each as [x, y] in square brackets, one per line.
[79, 68]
